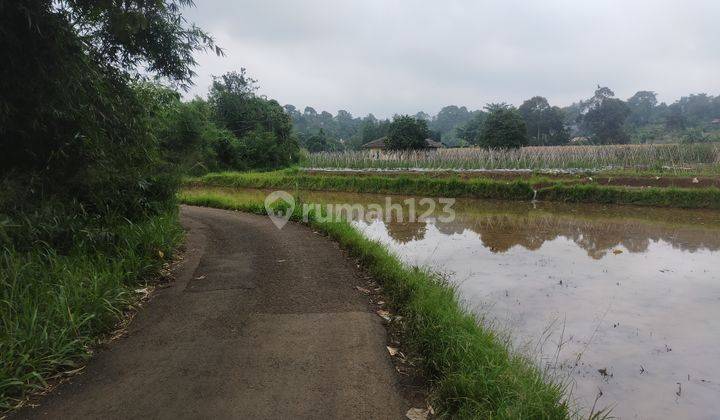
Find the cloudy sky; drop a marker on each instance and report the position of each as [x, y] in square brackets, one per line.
[402, 56]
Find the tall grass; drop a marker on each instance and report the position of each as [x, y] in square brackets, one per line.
[472, 371]
[651, 156]
[55, 304]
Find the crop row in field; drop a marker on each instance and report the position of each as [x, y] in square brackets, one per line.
[651, 156]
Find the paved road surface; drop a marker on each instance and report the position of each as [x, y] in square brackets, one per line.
[260, 323]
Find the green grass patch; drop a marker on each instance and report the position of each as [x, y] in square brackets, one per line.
[697, 198]
[445, 187]
[54, 305]
[427, 185]
[472, 371]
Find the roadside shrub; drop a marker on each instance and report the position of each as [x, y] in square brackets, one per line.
[55, 302]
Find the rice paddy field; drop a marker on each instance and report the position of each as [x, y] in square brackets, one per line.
[701, 158]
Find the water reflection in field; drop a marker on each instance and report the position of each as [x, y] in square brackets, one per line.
[621, 301]
[630, 296]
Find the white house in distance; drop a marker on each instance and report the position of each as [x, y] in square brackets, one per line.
[378, 146]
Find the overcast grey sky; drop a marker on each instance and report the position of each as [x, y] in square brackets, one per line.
[401, 56]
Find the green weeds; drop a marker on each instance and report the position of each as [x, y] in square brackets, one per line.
[55, 304]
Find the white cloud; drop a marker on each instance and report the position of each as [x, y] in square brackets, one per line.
[405, 56]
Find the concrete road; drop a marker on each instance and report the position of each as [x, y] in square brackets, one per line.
[260, 323]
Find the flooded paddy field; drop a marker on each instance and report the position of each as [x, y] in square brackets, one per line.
[625, 307]
[622, 303]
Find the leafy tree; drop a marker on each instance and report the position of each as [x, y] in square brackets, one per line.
[545, 125]
[176, 125]
[373, 129]
[503, 128]
[71, 126]
[188, 134]
[604, 117]
[309, 111]
[642, 106]
[262, 125]
[346, 125]
[448, 120]
[422, 115]
[317, 142]
[470, 131]
[698, 109]
[406, 132]
[674, 118]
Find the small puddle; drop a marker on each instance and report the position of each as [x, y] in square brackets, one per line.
[620, 302]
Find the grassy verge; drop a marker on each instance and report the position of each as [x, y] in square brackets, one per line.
[699, 198]
[472, 372]
[447, 187]
[473, 187]
[54, 305]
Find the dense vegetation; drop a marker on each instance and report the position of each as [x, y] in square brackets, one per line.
[94, 138]
[233, 129]
[91, 152]
[407, 133]
[503, 128]
[600, 119]
[472, 372]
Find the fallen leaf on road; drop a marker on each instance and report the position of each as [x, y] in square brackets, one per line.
[362, 289]
[392, 350]
[617, 251]
[384, 314]
[417, 414]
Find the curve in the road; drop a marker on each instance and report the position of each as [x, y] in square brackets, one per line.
[260, 323]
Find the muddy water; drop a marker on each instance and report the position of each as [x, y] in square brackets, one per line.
[622, 303]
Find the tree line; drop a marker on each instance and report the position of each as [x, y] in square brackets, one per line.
[93, 129]
[600, 119]
[232, 128]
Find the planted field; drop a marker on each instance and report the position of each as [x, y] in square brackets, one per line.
[540, 188]
[679, 157]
